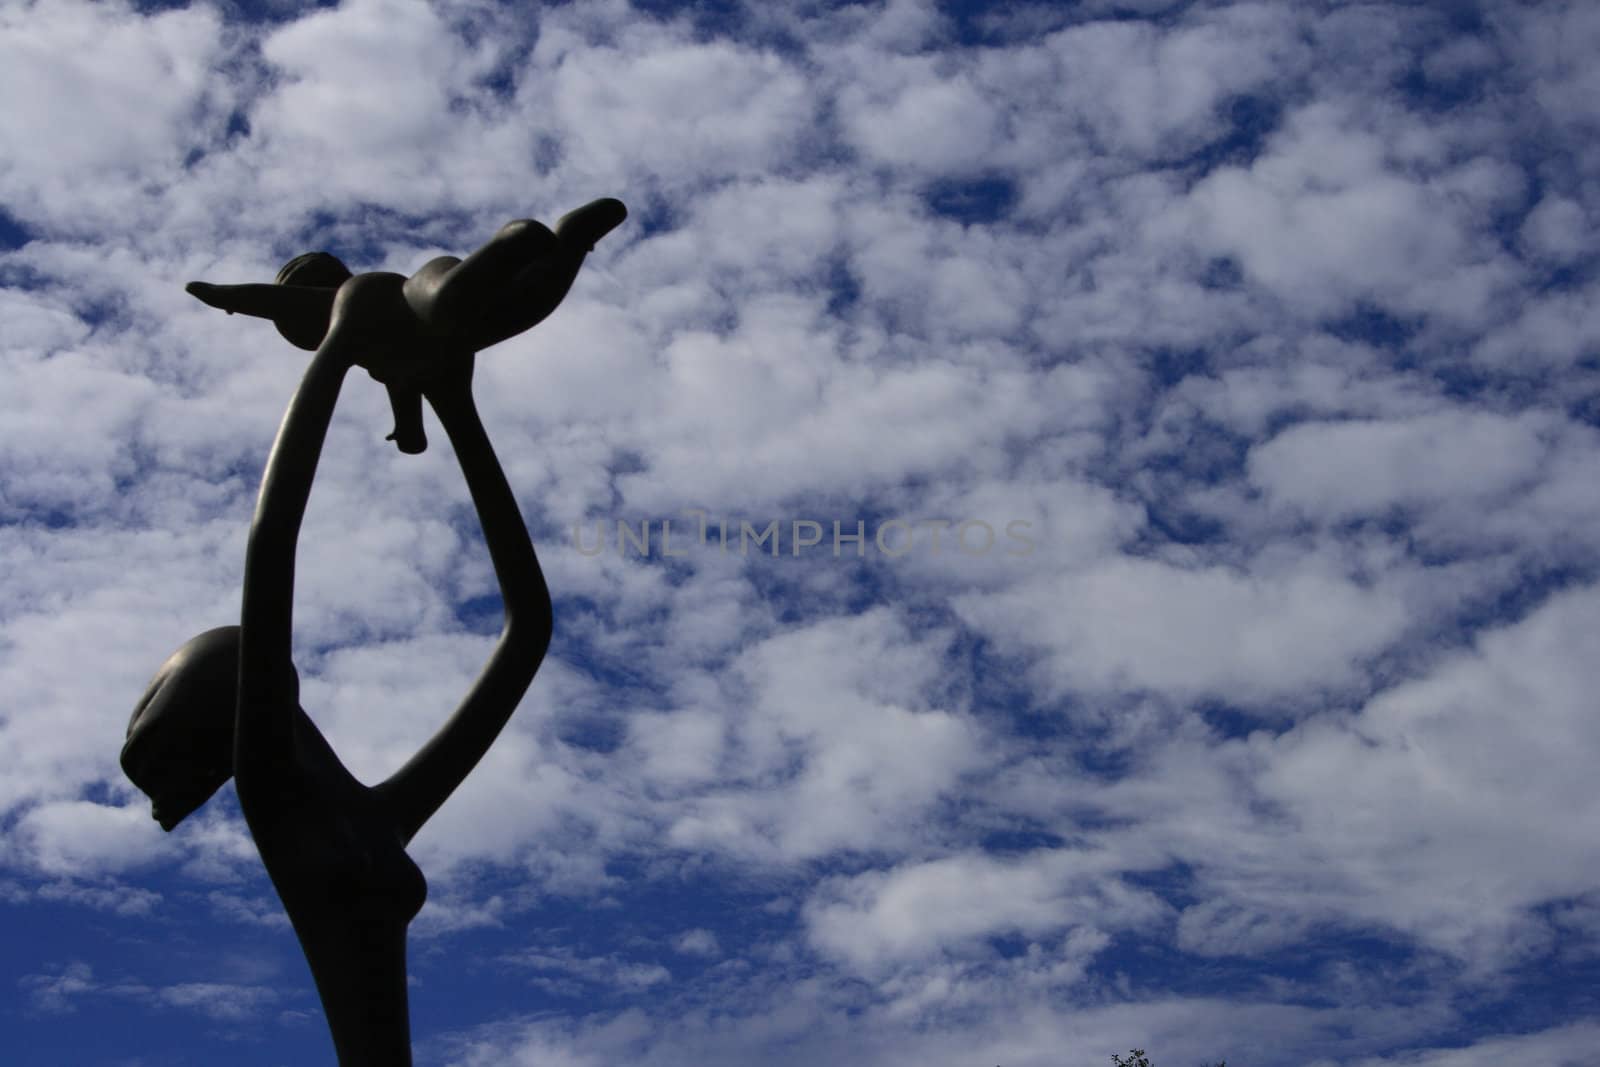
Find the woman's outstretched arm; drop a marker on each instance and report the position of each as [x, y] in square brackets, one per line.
[268, 686]
[418, 789]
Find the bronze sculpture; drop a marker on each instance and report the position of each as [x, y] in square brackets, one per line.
[228, 701]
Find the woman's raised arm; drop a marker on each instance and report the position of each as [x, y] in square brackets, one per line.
[418, 789]
[268, 686]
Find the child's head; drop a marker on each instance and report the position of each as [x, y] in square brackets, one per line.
[319, 270]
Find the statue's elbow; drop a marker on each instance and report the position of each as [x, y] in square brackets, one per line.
[527, 637]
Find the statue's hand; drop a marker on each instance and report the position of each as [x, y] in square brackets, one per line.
[206, 293]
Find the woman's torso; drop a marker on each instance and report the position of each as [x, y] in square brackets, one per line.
[329, 846]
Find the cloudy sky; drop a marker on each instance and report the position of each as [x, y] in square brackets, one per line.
[1213, 389]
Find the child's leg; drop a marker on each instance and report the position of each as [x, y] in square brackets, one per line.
[474, 288]
[421, 291]
[408, 436]
[586, 225]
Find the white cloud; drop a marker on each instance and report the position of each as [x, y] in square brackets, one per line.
[1191, 632]
[1559, 1044]
[1148, 93]
[116, 100]
[1551, 330]
[1434, 807]
[1228, 928]
[587, 971]
[683, 111]
[1558, 229]
[78, 837]
[215, 1000]
[907, 114]
[832, 741]
[874, 921]
[698, 942]
[63, 993]
[387, 99]
[53, 993]
[1329, 216]
[1548, 47]
[1334, 470]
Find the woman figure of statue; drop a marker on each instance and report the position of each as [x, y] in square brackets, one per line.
[228, 701]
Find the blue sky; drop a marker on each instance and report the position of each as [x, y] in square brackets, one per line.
[1260, 337]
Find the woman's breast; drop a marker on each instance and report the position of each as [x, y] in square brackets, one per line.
[378, 872]
[368, 867]
[331, 852]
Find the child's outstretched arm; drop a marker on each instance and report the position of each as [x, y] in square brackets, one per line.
[300, 311]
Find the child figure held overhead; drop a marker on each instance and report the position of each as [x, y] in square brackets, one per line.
[402, 329]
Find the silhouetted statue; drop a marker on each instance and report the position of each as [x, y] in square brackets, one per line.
[228, 701]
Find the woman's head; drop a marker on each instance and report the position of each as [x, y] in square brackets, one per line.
[179, 749]
[319, 270]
